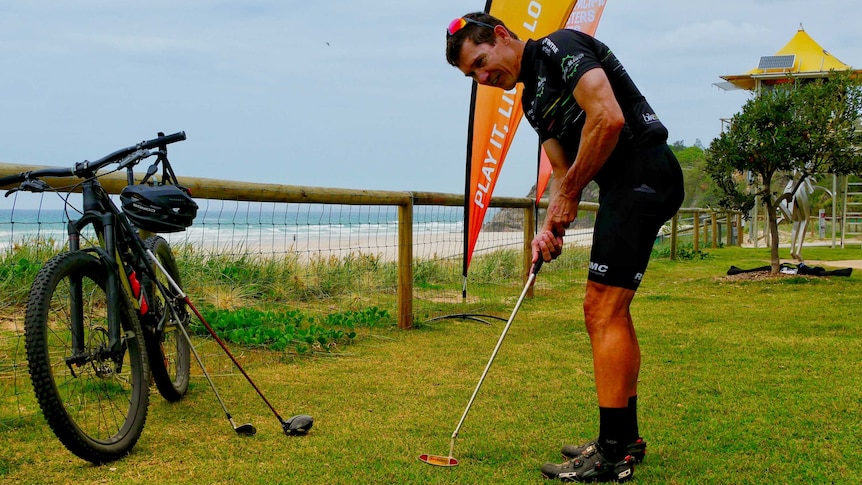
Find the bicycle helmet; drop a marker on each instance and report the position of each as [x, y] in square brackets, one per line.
[159, 208]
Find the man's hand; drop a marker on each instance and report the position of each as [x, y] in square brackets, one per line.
[547, 245]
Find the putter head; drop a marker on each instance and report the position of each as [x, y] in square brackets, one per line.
[438, 460]
[298, 425]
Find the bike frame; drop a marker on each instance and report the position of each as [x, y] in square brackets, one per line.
[118, 245]
[111, 230]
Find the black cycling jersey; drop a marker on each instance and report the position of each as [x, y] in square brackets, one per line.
[551, 68]
[640, 183]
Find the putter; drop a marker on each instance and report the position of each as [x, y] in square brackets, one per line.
[450, 460]
[295, 426]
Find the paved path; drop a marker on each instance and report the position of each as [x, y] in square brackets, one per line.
[852, 263]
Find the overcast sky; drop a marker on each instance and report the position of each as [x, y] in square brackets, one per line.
[345, 93]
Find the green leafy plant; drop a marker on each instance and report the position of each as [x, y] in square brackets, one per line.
[289, 329]
[684, 252]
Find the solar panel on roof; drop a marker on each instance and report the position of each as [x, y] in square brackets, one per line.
[777, 62]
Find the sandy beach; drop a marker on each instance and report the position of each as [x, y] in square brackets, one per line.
[426, 244]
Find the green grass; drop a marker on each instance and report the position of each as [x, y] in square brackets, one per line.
[285, 278]
[743, 381]
[18, 268]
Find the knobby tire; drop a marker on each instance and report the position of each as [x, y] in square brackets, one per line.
[168, 350]
[96, 408]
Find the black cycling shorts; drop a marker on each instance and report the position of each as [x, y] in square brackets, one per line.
[631, 211]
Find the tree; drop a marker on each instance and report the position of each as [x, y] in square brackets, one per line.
[800, 126]
[700, 190]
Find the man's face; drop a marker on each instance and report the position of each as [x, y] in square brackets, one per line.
[490, 64]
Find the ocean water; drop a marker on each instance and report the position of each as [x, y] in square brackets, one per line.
[221, 222]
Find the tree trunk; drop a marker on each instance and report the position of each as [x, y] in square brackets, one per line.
[773, 232]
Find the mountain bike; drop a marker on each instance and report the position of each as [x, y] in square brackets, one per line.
[103, 316]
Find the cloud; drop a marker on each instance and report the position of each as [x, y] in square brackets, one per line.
[264, 98]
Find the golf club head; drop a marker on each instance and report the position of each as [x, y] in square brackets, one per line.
[246, 429]
[438, 460]
[298, 425]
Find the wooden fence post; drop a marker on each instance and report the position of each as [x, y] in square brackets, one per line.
[696, 232]
[405, 265]
[729, 230]
[714, 230]
[706, 232]
[674, 233]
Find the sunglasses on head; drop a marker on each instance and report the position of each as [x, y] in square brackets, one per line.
[461, 22]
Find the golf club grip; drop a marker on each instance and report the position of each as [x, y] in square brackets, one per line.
[538, 265]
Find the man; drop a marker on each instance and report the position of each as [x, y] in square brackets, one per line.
[594, 124]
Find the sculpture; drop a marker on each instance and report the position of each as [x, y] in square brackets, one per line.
[797, 209]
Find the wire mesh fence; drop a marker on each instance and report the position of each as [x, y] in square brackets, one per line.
[326, 255]
[318, 259]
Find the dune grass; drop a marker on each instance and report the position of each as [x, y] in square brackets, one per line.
[744, 380]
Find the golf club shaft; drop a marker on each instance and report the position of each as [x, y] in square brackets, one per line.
[233, 359]
[192, 345]
[207, 375]
[185, 298]
[530, 281]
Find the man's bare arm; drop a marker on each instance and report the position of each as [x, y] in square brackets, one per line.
[604, 122]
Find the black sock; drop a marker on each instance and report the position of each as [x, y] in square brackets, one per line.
[632, 419]
[613, 432]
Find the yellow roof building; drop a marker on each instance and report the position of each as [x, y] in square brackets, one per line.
[802, 57]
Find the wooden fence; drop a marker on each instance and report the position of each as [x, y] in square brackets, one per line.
[705, 223]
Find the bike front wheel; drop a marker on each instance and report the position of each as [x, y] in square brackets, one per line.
[95, 399]
[168, 348]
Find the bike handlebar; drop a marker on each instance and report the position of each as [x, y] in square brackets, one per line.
[46, 172]
[87, 168]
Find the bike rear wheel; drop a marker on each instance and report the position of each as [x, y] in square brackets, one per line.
[94, 402]
[168, 349]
